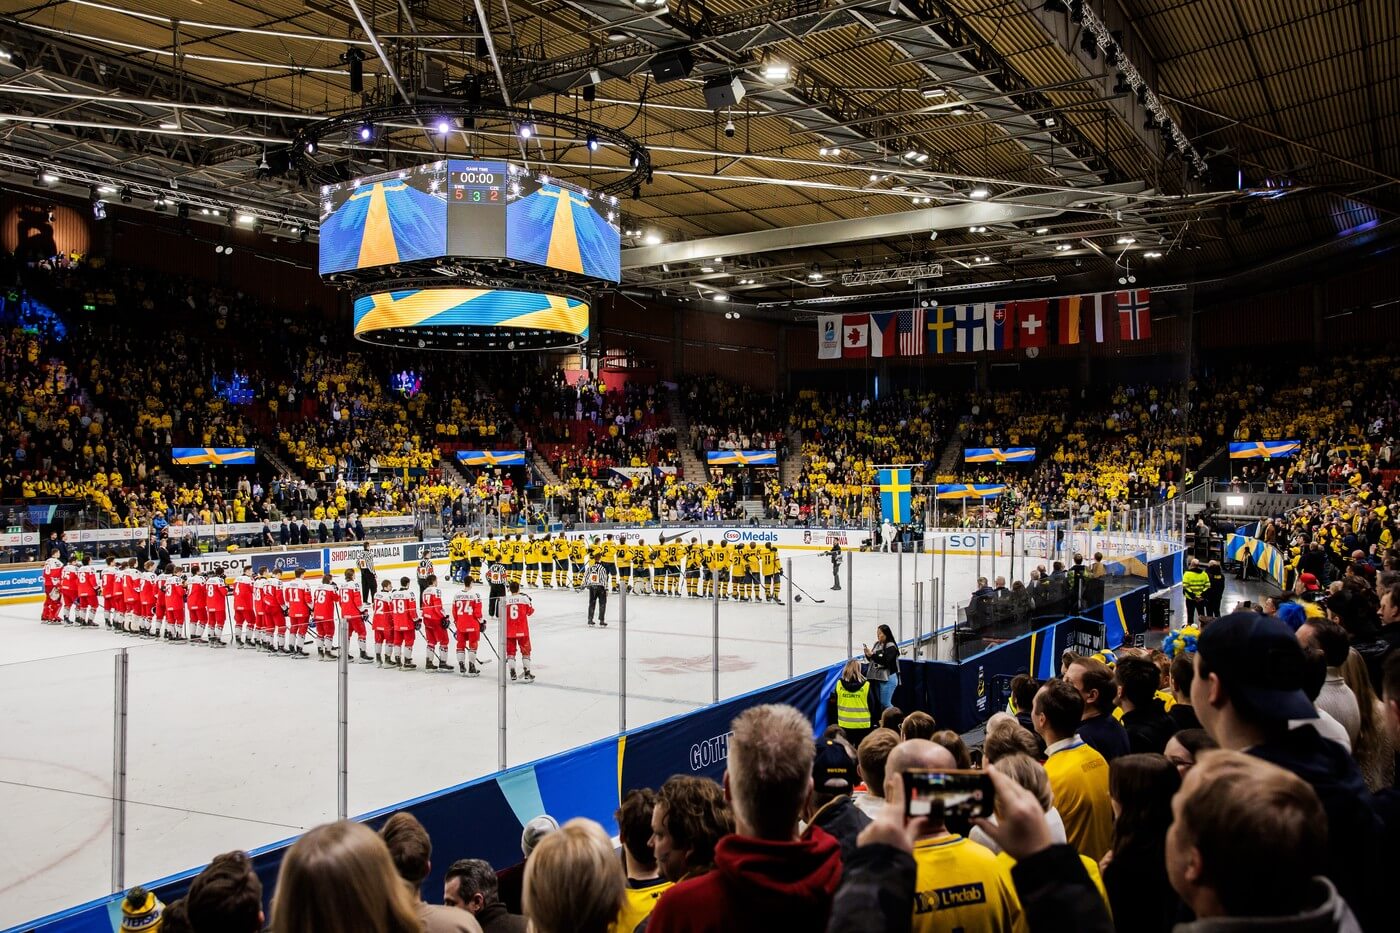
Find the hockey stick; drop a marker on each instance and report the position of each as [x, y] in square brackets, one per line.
[452, 627]
[804, 592]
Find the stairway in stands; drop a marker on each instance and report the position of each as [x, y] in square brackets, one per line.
[546, 471]
[276, 462]
[952, 454]
[451, 475]
[791, 468]
[692, 470]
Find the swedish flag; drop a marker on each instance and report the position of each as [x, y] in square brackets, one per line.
[895, 491]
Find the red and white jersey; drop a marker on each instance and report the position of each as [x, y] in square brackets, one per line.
[466, 609]
[68, 578]
[173, 590]
[518, 608]
[351, 606]
[324, 598]
[405, 609]
[383, 609]
[297, 595]
[274, 594]
[243, 587]
[150, 587]
[196, 591]
[87, 579]
[215, 594]
[126, 579]
[108, 576]
[53, 572]
[432, 605]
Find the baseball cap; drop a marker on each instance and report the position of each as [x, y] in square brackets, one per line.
[833, 765]
[1260, 663]
[535, 830]
[1309, 581]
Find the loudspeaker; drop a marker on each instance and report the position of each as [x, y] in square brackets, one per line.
[672, 66]
[1159, 613]
[724, 91]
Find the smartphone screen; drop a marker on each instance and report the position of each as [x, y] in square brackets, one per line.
[955, 794]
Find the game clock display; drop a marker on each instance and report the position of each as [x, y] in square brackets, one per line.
[476, 208]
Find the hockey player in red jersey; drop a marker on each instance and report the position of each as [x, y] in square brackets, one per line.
[275, 599]
[215, 606]
[352, 613]
[107, 578]
[150, 597]
[87, 593]
[466, 616]
[298, 598]
[53, 595]
[173, 599]
[384, 623]
[325, 598]
[68, 590]
[518, 608]
[405, 621]
[194, 603]
[244, 615]
[434, 634]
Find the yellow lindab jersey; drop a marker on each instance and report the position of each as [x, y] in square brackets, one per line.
[458, 549]
[1018, 917]
[770, 563]
[714, 557]
[578, 551]
[609, 552]
[694, 555]
[638, 900]
[960, 886]
[561, 549]
[755, 560]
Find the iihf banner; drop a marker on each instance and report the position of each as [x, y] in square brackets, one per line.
[1264, 450]
[213, 456]
[491, 458]
[742, 457]
[999, 454]
[829, 337]
[894, 495]
[969, 490]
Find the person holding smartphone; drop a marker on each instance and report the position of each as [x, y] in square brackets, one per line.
[884, 664]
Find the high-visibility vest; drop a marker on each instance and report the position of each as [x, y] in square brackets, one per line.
[853, 706]
[1195, 583]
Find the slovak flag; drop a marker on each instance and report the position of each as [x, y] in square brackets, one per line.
[1032, 323]
[884, 335]
[1001, 327]
[1134, 317]
[855, 335]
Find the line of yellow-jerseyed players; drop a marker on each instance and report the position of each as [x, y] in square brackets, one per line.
[746, 572]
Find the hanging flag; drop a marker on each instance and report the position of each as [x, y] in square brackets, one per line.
[1264, 450]
[894, 495]
[1100, 307]
[829, 337]
[911, 332]
[972, 328]
[940, 330]
[1067, 319]
[883, 339]
[1001, 327]
[1032, 323]
[855, 335]
[1134, 317]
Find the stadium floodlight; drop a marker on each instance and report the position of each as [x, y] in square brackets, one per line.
[443, 126]
[365, 132]
[592, 142]
[980, 193]
[776, 71]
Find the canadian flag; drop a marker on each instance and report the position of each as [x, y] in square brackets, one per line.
[855, 335]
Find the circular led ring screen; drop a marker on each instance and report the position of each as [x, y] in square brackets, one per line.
[471, 319]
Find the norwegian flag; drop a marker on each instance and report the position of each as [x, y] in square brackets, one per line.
[1134, 317]
[910, 326]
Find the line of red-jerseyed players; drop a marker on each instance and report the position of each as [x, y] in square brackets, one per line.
[276, 616]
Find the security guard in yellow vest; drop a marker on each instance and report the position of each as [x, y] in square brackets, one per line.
[1194, 584]
[854, 705]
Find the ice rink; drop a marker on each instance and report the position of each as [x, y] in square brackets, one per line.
[231, 748]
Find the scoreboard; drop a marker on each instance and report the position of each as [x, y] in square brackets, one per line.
[476, 208]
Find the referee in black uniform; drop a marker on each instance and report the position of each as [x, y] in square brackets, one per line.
[368, 584]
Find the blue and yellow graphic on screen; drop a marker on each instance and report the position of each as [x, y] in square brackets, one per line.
[999, 454]
[556, 227]
[491, 458]
[1264, 450]
[895, 490]
[969, 490]
[213, 456]
[742, 457]
[384, 219]
[472, 307]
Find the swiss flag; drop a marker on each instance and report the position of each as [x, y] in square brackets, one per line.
[855, 335]
[1134, 318]
[1032, 323]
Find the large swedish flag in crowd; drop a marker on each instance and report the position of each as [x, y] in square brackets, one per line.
[895, 492]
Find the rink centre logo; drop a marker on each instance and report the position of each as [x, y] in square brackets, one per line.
[735, 534]
[961, 895]
[709, 752]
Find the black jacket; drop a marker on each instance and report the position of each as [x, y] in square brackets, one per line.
[887, 657]
[1105, 735]
[1184, 715]
[843, 821]
[1149, 728]
[1354, 830]
[1139, 893]
[496, 919]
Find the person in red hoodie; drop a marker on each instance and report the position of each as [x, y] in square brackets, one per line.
[767, 876]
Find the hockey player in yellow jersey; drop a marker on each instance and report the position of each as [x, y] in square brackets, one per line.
[624, 564]
[694, 566]
[716, 560]
[578, 559]
[772, 572]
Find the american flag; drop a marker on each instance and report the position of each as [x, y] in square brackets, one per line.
[910, 327]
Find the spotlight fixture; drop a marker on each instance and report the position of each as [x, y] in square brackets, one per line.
[1089, 45]
[979, 193]
[720, 296]
[977, 228]
[1048, 122]
[592, 142]
[959, 111]
[354, 59]
[932, 92]
[310, 147]
[126, 195]
[443, 126]
[1121, 86]
[1063, 247]
[365, 132]
[652, 238]
[247, 219]
[1152, 254]
[527, 129]
[816, 272]
[1126, 240]
[776, 71]
[729, 129]
[44, 177]
[99, 209]
[1041, 231]
[874, 177]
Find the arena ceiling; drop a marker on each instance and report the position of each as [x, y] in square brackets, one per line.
[1177, 139]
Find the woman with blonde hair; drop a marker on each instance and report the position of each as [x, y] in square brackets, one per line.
[574, 881]
[854, 704]
[339, 876]
[1374, 748]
